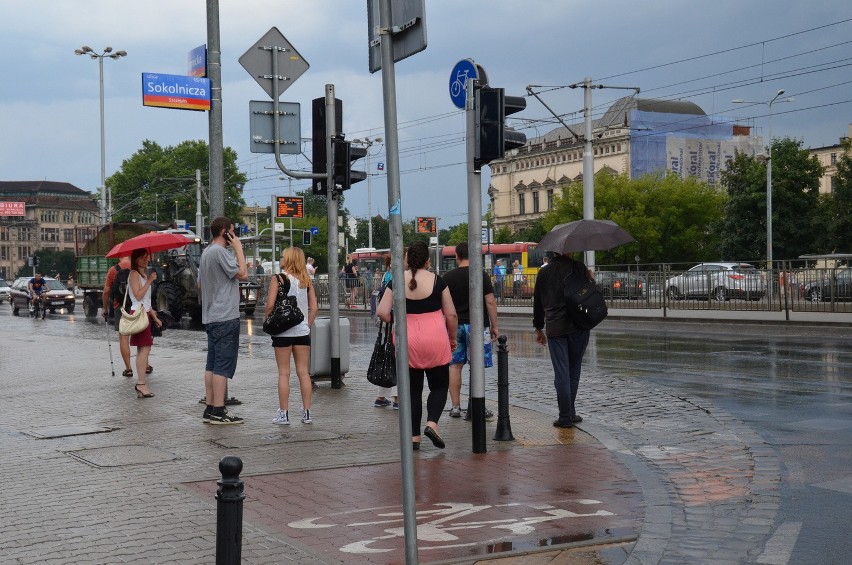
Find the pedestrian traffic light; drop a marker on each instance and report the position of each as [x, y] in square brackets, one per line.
[35, 261]
[344, 155]
[306, 237]
[492, 136]
[320, 136]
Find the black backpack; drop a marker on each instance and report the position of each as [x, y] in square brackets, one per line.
[119, 287]
[586, 305]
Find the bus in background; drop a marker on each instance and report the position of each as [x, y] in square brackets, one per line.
[369, 259]
[526, 253]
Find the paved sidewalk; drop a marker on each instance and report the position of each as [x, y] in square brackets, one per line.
[98, 476]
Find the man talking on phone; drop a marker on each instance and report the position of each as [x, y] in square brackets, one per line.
[223, 265]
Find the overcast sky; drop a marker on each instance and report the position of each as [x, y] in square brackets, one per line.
[709, 53]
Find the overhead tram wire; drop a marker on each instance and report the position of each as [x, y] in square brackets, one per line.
[723, 51]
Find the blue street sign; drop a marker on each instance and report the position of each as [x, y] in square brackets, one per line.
[463, 70]
[314, 230]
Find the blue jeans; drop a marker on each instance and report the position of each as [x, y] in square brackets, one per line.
[566, 354]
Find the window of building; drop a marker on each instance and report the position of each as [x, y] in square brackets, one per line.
[51, 216]
[68, 216]
[535, 202]
[24, 251]
[68, 235]
[4, 253]
[50, 234]
[833, 184]
[618, 147]
[550, 199]
[522, 204]
[4, 234]
[24, 234]
[834, 158]
[86, 218]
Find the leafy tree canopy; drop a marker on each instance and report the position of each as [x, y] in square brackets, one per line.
[157, 182]
[796, 225]
[669, 217]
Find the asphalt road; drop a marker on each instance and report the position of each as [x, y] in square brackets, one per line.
[791, 384]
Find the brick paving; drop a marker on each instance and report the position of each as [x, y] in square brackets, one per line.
[691, 482]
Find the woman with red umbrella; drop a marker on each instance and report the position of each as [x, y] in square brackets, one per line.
[140, 282]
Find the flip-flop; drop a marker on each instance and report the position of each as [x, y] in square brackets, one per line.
[149, 370]
[127, 373]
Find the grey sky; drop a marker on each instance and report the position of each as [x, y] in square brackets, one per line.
[727, 49]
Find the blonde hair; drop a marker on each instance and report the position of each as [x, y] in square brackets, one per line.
[293, 263]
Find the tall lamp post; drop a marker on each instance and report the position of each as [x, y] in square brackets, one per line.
[107, 53]
[369, 143]
[768, 173]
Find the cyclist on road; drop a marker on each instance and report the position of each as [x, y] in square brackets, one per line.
[37, 285]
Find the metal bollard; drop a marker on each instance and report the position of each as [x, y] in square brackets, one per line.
[504, 427]
[229, 512]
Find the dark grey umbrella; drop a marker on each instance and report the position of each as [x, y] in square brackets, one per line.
[585, 235]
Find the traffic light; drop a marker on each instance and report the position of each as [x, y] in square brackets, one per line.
[306, 237]
[35, 261]
[319, 137]
[344, 155]
[493, 137]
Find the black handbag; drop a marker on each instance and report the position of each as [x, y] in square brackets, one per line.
[286, 312]
[382, 368]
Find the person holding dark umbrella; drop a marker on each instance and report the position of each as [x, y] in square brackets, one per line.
[553, 327]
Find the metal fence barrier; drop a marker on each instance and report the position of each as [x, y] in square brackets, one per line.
[789, 285]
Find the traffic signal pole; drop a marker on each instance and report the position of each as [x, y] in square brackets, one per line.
[409, 501]
[333, 273]
[474, 241]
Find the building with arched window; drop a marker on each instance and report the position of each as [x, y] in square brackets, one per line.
[635, 136]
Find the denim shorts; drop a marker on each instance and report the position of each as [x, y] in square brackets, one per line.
[461, 355]
[223, 345]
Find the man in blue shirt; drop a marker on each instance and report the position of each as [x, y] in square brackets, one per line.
[37, 285]
[499, 273]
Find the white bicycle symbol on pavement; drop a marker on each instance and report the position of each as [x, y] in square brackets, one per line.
[435, 527]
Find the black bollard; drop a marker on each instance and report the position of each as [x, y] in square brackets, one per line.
[504, 427]
[229, 512]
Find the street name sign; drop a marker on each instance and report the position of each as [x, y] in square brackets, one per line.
[175, 91]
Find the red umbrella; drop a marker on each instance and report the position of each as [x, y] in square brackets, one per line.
[152, 241]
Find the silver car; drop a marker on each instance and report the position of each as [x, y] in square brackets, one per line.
[4, 290]
[718, 281]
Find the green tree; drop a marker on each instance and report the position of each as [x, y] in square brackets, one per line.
[381, 233]
[795, 204]
[669, 217]
[156, 182]
[457, 234]
[839, 204]
[50, 262]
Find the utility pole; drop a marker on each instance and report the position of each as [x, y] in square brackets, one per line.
[199, 219]
[589, 155]
[216, 168]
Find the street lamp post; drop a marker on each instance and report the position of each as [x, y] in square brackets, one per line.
[108, 53]
[768, 172]
[369, 143]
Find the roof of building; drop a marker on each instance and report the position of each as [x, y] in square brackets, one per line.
[618, 115]
[24, 188]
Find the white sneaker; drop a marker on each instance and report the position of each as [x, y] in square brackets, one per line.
[282, 418]
[306, 416]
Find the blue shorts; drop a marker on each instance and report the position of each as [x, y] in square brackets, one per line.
[223, 345]
[461, 354]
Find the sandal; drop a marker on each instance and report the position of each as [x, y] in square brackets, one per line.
[127, 373]
[149, 370]
[140, 394]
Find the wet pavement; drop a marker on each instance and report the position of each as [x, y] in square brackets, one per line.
[716, 444]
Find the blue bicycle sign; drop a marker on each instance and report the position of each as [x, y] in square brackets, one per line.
[464, 69]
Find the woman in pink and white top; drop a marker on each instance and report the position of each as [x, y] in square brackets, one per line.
[432, 325]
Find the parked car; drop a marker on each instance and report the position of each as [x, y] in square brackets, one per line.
[717, 281]
[5, 290]
[836, 285]
[620, 285]
[57, 295]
